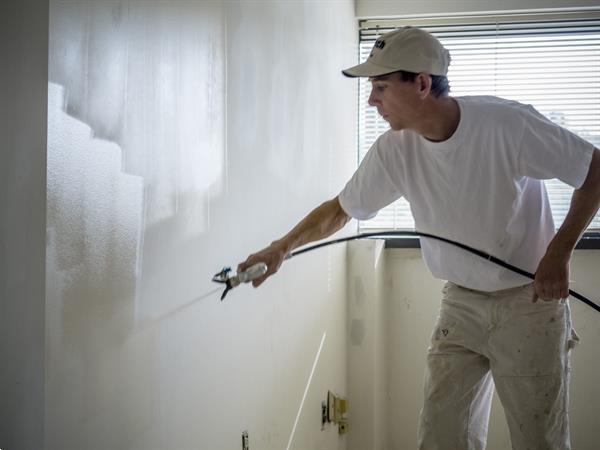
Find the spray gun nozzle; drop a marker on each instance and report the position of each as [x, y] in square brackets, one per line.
[222, 276]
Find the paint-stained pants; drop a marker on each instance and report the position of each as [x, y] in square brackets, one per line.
[504, 339]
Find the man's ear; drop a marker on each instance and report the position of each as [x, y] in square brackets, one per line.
[423, 81]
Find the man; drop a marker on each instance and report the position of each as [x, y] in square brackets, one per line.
[471, 169]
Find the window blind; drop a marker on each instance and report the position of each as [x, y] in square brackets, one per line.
[549, 61]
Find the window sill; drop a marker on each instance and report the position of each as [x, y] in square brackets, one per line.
[589, 241]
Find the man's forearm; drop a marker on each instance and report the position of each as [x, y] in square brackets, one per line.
[321, 222]
[318, 224]
[584, 205]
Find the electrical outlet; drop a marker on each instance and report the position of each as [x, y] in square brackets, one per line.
[341, 407]
[245, 441]
[335, 410]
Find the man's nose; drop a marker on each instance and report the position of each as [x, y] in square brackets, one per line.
[372, 99]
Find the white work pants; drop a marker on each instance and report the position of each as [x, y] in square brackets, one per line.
[501, 338]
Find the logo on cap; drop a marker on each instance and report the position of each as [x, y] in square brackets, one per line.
[379, 43]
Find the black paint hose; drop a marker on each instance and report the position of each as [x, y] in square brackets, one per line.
[479, 253]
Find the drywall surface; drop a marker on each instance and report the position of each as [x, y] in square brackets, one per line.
[390, 8]
[183, 136]
[23, 82]
[412, 308]
[368, 345]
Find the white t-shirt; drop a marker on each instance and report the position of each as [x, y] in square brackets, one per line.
[481, 187]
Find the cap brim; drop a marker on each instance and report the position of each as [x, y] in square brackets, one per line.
[368, 69]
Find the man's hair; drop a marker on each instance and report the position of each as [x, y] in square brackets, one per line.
[439, 83]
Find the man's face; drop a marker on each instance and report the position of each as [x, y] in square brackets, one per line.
[396, 100]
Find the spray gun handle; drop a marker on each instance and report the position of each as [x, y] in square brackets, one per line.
[252, 272]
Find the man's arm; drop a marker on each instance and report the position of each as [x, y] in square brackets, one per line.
[321, 222]
[552, 275]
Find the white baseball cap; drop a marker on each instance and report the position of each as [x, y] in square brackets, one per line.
[409, 49]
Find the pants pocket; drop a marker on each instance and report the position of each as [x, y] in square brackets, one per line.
[534, 342]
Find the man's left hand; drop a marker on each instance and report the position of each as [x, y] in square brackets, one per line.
[552, 278]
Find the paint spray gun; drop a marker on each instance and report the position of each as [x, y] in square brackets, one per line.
[230, 281]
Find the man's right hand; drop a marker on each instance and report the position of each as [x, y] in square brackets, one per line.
[272, 256]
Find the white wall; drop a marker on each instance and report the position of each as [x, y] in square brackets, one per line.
[412, 306]
[387, 8]
[183, 136]
[368, 345]
[23, 84]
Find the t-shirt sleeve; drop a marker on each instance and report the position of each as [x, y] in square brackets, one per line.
[550, 151]
[370, 188]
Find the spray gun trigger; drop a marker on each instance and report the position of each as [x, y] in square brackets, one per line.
[227, 289]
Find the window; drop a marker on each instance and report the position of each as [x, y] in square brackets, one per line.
[551, 61]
